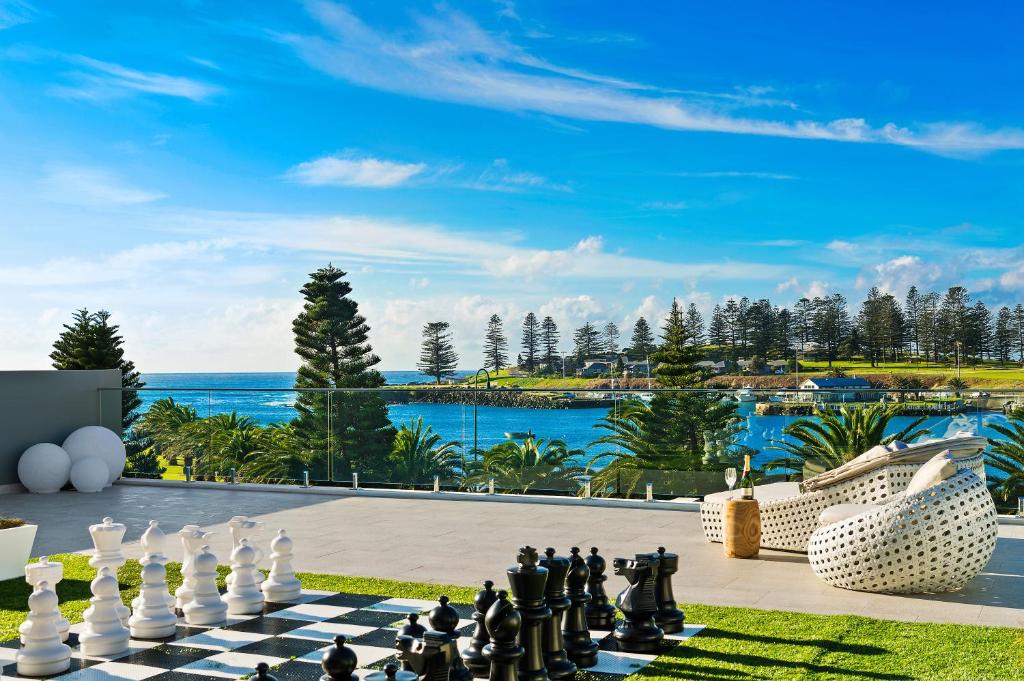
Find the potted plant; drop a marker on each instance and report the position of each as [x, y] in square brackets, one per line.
[16, 537]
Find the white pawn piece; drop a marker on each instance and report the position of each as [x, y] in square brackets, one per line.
[152, 616]
[244, 596]
[241, 528]
[106, 538]
[42, 654]
[104, 634]
[206, 607]
[281, 584]
[51, 573]
[193, 538]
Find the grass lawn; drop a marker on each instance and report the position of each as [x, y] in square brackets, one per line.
[984, 375]
[738, 643]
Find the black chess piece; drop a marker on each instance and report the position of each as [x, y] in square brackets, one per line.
[503, 622]
[556, 661]
[262, 672]
[391, 672]
[580, 648]
[473, 655]
[444, 617]
[428, 657]
[638, 632]
[528, 580]
[339, 661]
[670, 618]
[412, 627]
[600, 612]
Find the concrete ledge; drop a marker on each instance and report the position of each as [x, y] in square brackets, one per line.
[688, 506]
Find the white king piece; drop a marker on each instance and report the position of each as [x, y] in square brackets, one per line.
[51, 573]
[106, 538]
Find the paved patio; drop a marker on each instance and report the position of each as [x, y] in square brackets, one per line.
[465, 542]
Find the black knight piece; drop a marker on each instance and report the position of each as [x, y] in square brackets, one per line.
[428, 657]
[412, 627]
[503, 653]
[528, 580]
[638, 632]
[580, 648]
[670, 618]
[473, 655]
[444, 618]
[339, 661]
[558, 664]
[600, 613]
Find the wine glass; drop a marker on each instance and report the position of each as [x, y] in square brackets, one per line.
[730, 477]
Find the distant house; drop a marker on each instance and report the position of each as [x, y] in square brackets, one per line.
[844, 389]
[593, 369]
[714, 367]
[637, 369]
[778, 366]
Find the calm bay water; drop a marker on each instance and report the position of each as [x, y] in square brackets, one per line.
[267, 398]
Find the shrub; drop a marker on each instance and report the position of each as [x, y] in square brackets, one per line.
[8, 523]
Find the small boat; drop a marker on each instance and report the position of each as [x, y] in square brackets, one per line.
[746, 394]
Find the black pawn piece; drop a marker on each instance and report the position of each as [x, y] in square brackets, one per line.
[503, 622]
[392, 672]
[339, 661]
[444, 618]
[412, 627]
[473, 655]
[263, 672]
[670, 618]
[600, 612]
[528, 580]
[580, 648]
[638, 632]
[558, 664]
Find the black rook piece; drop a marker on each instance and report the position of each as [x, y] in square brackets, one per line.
[558, 664]
[528, 581]
[474, 653]
[339, 662]
[503, 622]
[600, 613]
[412, 627]
[670, 618]
[444, 617]
[638, 633]
[578, 644]
[262, 672]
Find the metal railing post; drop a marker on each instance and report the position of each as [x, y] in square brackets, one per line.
[305, 478]
[188, 473]
[355, 480]
[234, 477]
[490, 486]
[650, 492]
[437, 483]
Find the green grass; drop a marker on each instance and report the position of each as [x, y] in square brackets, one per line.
[982, 376]
[738, 643]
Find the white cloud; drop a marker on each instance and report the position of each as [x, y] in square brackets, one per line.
[898, 274]
[419, 282]
[105, 80]
[88, 186]
[791, 284]
[840, 246]
[817, 289]
[665, 205]
[451, 58]
[350, 171]
[739, 173]
[499, 177]
[15, 12]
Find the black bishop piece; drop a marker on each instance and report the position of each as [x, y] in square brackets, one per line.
[473, 655]
[580, 648]
[503, 623]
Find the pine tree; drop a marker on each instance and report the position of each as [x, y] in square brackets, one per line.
[954, 320]
[1018, 331]
[830, 325]
[531, 342]
[718, 333]
[437, 354]
[610, 338]
[979, 332]
[495, 345]
[586, 341]
[803, 322]
[345, 431]
[912, 313]
[694, 325]
[641, 344]
[549, 343]
[1002, 339]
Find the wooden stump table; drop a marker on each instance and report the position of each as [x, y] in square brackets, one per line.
[741, 528]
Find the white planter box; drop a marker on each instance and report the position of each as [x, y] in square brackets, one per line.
[15, 550]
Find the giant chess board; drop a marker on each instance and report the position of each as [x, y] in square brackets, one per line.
[291, 637]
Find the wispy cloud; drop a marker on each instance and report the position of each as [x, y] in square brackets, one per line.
[665, 205]
[350, 171]
[15, 12]
[777, 243]
[100, 80]
[449, 57]
[89, 186]
[760, 175]
[499, 177]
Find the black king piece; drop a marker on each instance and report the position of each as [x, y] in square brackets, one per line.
[556, 660]
[527, 580]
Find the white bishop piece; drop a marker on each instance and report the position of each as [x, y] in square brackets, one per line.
[206, 607]
[51, 573]
[244, 596]
[104, 634]
[152, 615]
[193, 538]
[106, 538]
[281, 584]
[42, 654]
[242, 528]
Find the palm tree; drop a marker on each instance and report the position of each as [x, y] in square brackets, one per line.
[166, 426]
[1006, 455]
[418, 454]
[838, 435]
[539, 463]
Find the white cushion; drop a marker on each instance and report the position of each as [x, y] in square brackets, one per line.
[772, 492]
[840, 512]
[938, 468]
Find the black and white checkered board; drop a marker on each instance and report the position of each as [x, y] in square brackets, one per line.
[291, 638]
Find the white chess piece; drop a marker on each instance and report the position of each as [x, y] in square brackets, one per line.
[152, 616]
[241, 528]
[51, 573]
[104, 634]
[154, 544]
[244, 596]
[193, 538]
[206, 607]
[106, 538]
[281, 584]
[42, 654]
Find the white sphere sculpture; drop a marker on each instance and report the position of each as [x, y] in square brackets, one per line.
[89, 474]
[100, 442]
[44, 468]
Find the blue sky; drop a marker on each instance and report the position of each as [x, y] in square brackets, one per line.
[185, 165]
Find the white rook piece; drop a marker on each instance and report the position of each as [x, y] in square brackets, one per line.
[206, 607]
[104, 633]
[106, 538]
[241, 528]
[51, 573]
[244, 596]
[152, 616]
[281, 584]
[43, 654]
[193, 538]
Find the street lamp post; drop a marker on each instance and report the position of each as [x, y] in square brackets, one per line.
[476, 402]
[958, 344]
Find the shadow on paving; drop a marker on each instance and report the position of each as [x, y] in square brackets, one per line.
[1000, 585]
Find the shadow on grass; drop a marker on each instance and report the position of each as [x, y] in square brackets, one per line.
[824, 644]
[758, 661]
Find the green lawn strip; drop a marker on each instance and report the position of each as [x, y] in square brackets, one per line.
[738, 643]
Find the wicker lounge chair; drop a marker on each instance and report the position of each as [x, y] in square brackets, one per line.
[790, 515]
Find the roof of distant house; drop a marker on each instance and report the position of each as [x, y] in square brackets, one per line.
[839, 382]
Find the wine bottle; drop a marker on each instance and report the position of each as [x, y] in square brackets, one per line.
[747, 481]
